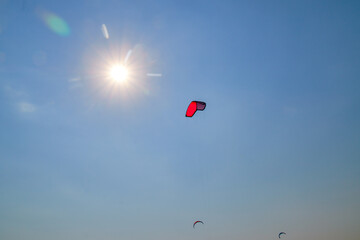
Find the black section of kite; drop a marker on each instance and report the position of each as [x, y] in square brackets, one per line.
[196, 223]
[282, 233]
[193, 107]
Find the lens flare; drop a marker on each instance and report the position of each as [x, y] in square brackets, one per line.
[55, 23]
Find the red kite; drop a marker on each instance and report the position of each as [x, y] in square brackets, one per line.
[193, 107]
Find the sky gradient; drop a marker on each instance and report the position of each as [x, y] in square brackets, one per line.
[276, 149]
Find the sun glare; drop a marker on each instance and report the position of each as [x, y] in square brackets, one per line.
[119, 73]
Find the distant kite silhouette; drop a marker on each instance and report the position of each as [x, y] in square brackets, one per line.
[282, 233]
[196, 223]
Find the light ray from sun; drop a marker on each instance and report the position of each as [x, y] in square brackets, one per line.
[154, 75]
[105, 31]
[127, 56]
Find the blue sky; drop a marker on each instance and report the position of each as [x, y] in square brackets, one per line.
[276, 149]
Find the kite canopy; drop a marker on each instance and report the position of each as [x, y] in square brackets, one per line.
[193, 107]
[282, 233]
[196, 223]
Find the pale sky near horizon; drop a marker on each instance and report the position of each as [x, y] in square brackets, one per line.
[276, 149]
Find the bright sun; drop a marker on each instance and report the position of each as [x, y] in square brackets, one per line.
[119, 73]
